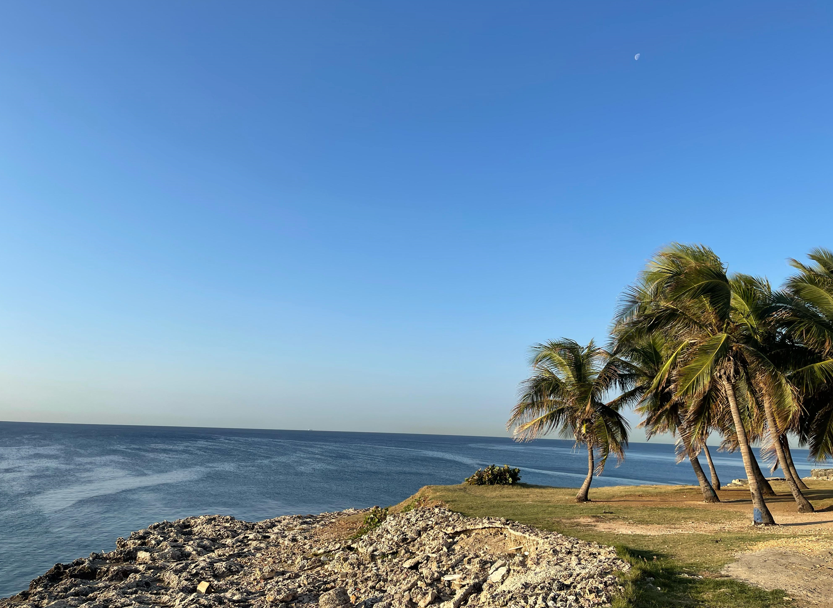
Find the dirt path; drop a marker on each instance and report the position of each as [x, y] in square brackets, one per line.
[800, 565]
[805, 573]
[788, 525]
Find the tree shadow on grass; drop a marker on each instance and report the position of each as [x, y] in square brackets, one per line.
[655, 581]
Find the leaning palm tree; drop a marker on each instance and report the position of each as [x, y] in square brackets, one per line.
[661, 410]
[691, 305]
[566, 393]
[769, 387]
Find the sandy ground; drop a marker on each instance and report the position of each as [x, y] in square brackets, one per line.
[806, 576]
[803, 566]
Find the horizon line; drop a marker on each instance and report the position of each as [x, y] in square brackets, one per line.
[232, 428]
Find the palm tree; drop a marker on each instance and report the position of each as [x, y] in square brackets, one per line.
[788, 453]
[805, 312]
[691, 305]
[662, 412]
[711, 412]
[769, 387]
[566, 393]
[712, 470]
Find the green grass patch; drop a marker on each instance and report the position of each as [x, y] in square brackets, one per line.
[372, 520]
[655, 581]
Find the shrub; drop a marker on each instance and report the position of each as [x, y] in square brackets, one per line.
[494, 475]
[372, 520]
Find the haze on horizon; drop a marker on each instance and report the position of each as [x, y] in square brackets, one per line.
[360, 216]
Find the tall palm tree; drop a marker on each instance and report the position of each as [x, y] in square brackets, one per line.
[768, 387]
[566, 393]
[661, 411]
[691, 305]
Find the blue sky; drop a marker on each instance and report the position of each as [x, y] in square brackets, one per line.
[359, 216]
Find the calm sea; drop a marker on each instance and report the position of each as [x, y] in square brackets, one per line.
[68, 490]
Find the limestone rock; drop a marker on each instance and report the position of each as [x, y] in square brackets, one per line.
[428, 598]
[498, 575]
[143, 557]
[337, 598]
[427, 557]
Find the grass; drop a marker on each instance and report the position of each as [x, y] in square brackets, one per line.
[372, 520]
[669, 569]
[658, 581]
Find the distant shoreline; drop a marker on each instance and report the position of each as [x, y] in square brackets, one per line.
[278, 430]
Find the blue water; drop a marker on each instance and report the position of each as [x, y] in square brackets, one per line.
[68, 490]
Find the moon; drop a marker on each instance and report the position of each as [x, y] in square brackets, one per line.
[636, 57]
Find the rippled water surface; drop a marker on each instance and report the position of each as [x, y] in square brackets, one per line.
[68, 490]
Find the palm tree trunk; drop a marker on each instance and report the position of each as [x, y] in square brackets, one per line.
[804, 505]
[788, 453]
[747, 455]
[712, 470]
[766, 488]
[585, 487]
[709, 495]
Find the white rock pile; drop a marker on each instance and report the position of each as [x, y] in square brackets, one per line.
[423, 558]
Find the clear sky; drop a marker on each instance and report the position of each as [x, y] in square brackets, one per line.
[360, 215]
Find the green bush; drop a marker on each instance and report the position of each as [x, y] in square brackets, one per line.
[494, 475]
[372, 520]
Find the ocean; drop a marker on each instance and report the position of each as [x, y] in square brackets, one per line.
[68, 490]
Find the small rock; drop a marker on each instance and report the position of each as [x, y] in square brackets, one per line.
[464, 594]
[143, 557]
[281, 596]
[204, 587]
[431, 596]
[498, 564]
[337, 598]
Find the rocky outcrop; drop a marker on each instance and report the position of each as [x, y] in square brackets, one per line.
[423, 558]
[826, 474]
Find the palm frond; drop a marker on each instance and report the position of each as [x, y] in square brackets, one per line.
[696, 375]
[814, 376]
[611, 429]
[821, 435]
